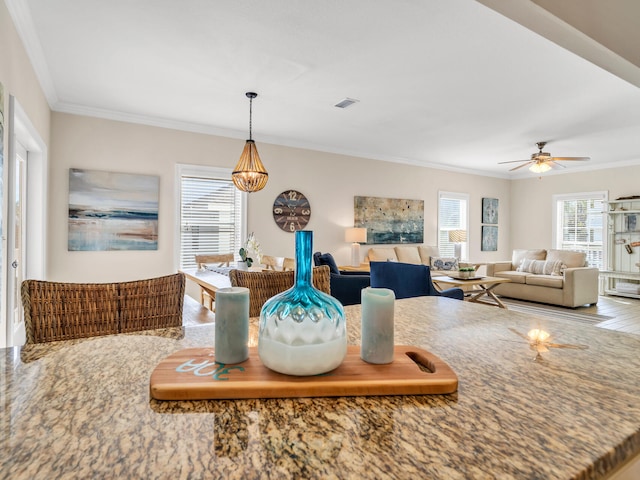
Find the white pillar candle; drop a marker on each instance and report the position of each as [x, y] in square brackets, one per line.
[377, 343]
[232, 325]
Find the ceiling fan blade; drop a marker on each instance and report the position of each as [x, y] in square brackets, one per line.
[556, 165]
[520, 166]
[571, 158]
[514, 161]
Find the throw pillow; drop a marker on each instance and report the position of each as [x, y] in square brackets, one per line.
[327, 259]
[443, 263]
[541, 267]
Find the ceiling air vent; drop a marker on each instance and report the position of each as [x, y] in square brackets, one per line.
[346, 102]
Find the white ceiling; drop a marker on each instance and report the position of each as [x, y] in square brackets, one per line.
[445, 83]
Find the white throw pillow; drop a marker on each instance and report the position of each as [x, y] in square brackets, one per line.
[541, 267]
[444, 263]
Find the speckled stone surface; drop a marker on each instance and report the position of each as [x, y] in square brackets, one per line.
[81, 409]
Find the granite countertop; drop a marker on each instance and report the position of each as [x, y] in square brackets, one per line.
[81, 409]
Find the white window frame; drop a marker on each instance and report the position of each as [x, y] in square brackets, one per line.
[464, 197]
[205, 172]
[556, 240]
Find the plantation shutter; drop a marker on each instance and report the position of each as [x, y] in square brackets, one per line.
[210, 218]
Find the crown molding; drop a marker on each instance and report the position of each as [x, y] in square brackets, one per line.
[21, 16]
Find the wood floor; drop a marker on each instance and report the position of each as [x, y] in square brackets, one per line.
[625, 313]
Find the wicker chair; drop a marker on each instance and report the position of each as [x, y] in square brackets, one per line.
[222, 259]
[264, 285]
[62, 311]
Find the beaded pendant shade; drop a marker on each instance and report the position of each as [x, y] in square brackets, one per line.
[250, 174]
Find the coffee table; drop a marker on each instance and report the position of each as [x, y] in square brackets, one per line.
[485, 285]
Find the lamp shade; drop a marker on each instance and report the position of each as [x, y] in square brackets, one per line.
[250, 174]
[457, 236]
[355, 235]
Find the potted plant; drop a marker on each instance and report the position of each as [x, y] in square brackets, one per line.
[251, 244]
[466, 272]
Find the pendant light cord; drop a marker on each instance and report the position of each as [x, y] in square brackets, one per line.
[250, 116]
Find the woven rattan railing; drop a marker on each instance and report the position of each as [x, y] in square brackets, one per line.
[63, 311]
[264, 285]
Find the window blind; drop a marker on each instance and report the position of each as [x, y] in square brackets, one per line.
[210, 218]
[452, 215]
[581, 227]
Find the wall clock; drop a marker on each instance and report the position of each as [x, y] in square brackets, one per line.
[291, 211]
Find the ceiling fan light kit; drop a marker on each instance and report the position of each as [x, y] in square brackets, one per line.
[541, 162]
[540, 167]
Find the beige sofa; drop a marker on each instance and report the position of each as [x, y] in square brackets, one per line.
[416, 254]
[558, 277]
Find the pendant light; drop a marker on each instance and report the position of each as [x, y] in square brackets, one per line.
[250, 174]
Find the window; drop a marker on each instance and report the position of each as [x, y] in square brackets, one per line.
[578, 224]
[453, 211]
[212, 213]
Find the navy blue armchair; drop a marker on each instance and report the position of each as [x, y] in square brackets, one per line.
[408, 280]
[345, 286]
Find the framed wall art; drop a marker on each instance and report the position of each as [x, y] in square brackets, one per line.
[489, 238]
[490, 211]
[112, 211]
[390, 220]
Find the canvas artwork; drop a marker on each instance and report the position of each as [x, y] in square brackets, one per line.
[490, 211]
[489, 238]
[1, 163]
[390, 220]
[112, 211]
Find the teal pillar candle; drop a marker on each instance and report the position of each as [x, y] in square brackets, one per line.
[377, 344]
[232, 325]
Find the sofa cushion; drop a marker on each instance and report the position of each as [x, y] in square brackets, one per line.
[408, 255]
[382, 254]
[426, 252]
[514, 276]
[553, 281]
[444, 263]
[541, 267]
[570, 258]
[518, 255]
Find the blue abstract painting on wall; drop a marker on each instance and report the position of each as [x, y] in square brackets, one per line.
[390, 220]
[112, 211]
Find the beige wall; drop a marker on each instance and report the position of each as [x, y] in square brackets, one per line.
[329, 181]
[531, 200]
[19, 79]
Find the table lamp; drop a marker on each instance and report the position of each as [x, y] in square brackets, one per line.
[457, 237]
[356, 236]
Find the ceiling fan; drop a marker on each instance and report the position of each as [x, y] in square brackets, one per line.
[543, 161]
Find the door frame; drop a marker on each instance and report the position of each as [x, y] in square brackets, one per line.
[22, 131]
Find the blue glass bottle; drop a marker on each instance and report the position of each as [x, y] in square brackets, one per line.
[302, 330]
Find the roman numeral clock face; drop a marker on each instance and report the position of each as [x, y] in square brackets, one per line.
[291, 211]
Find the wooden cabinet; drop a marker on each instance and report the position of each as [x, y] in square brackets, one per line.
[623, 227]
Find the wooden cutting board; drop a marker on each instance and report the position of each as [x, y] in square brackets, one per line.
[193, 374]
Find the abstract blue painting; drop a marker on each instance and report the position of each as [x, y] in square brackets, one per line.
[390, 220]
[112, 211]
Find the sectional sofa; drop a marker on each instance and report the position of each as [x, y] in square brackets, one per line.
[416, 254]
